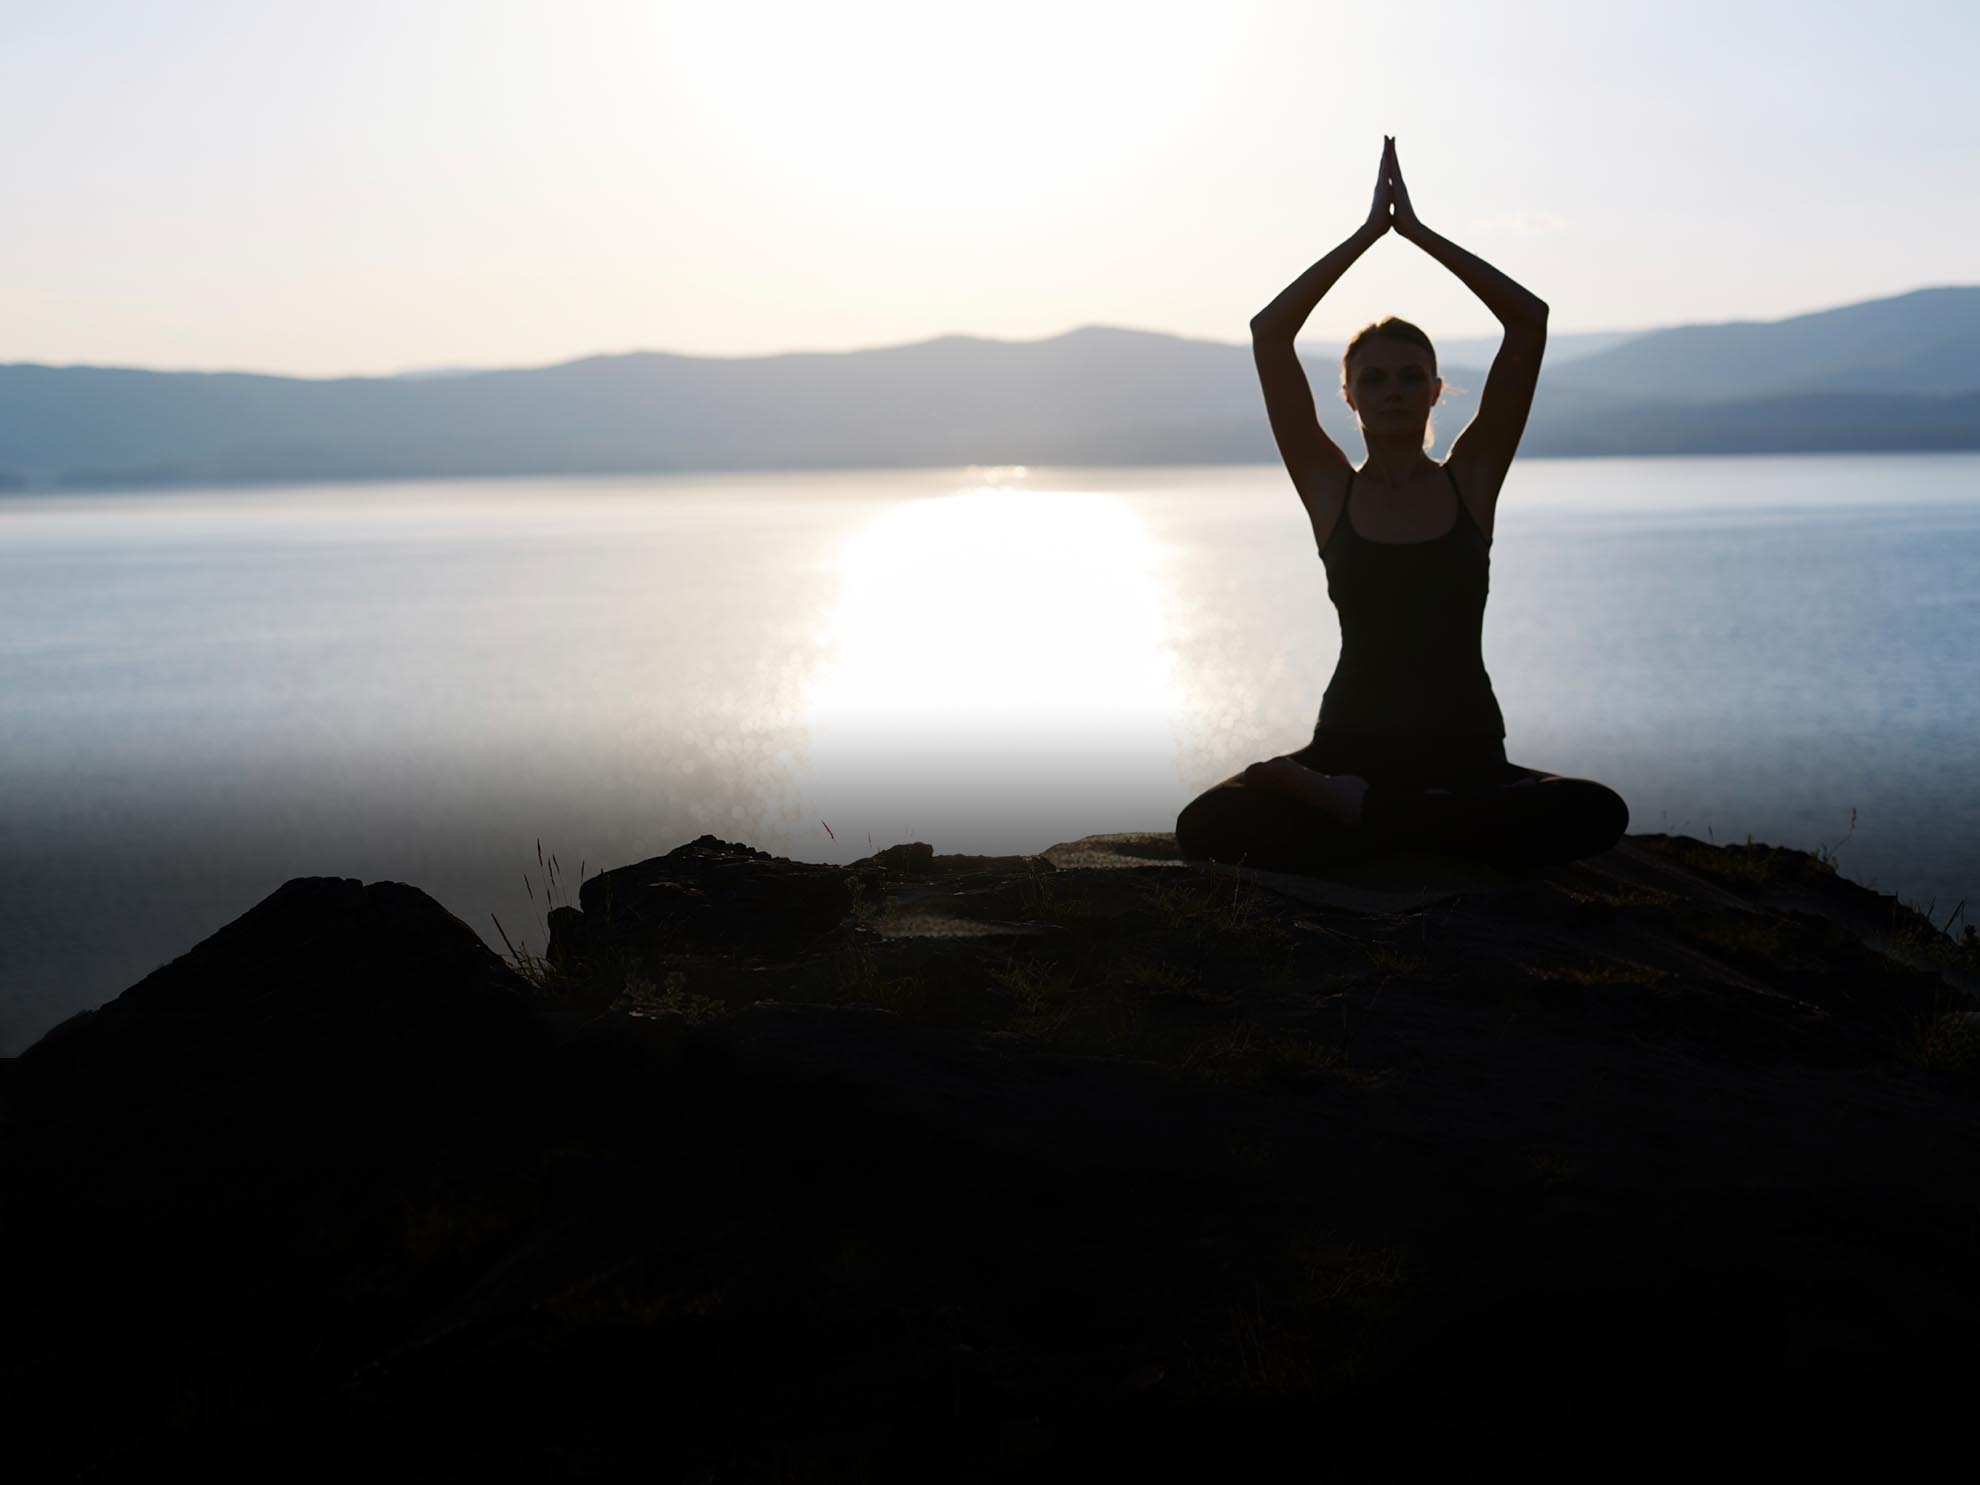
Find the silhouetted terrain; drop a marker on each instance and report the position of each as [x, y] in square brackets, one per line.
[1890, 374]
[1076, 1165]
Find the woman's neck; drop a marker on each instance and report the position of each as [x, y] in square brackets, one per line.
[1394, 461]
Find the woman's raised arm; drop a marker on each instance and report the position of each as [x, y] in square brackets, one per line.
[1303, 444]
[1506, 299]
[1284, 315]
[1485, 449]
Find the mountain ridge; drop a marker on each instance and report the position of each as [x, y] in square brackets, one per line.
[1892, 374]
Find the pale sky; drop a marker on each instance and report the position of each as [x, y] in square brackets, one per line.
[368, 187]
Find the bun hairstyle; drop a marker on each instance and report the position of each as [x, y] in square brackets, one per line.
[1391, 328]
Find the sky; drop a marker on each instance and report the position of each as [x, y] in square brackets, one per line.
[365, 187]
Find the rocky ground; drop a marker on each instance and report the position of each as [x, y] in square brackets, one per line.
[942, 1167]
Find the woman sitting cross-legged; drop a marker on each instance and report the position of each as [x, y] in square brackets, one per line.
[1409, 749]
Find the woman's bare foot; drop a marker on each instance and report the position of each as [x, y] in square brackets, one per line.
[1339, 794]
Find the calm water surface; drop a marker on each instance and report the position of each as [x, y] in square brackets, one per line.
[206, 693]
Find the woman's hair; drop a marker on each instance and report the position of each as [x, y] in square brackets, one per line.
[1391, 328]
[1387, 328]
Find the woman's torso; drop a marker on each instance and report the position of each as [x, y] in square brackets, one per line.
[1410, 583]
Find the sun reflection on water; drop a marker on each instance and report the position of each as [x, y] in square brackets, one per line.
[995, 670]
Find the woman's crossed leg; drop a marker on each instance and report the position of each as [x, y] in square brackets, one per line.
[1282, 815]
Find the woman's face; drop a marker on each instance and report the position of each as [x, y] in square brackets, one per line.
[1392, 385]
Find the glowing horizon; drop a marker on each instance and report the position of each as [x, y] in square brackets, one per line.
[392, 187]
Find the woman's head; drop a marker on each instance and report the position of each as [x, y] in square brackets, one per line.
[1389, 378]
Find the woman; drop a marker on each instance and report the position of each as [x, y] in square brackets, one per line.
[1409, 749]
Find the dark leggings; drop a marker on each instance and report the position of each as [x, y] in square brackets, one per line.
[1495, 810]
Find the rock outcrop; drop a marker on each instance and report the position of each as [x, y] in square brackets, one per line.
[967, 1167]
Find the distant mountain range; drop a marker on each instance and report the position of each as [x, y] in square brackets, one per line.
[1890, 374]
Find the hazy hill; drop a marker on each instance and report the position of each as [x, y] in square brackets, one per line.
[1889, 374]
[1926, 341]
[1563, 346]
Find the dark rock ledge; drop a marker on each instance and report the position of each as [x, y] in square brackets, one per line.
[939, 1167]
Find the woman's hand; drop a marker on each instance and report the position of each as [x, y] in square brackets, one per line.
[1378, 211]
[1406, 223]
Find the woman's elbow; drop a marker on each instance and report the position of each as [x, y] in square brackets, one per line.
[1530, 318]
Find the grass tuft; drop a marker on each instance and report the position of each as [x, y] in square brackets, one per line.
[1915, 934]
[1233, 918]
[1950, 1043]
[1041, 992]
[1612, 972]
[671, 998]
[1750, 934]
[1824, 856]
[550, 891]
[1635, 897]
[1386, 961]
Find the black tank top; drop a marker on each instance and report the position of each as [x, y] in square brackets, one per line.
[1411, 617]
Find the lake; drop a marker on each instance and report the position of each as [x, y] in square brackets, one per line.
[209, 692]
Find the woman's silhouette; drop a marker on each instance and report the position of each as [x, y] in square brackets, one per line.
[1409, 748]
